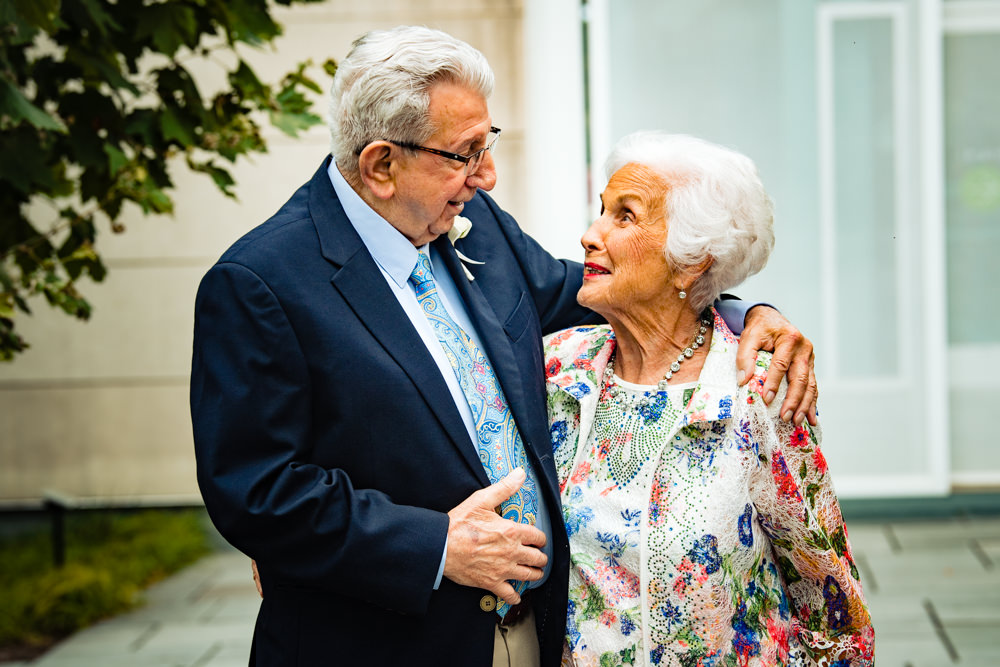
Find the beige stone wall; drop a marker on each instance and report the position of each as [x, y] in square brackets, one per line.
[100, 409]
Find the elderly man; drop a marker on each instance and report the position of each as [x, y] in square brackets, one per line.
[369, 414]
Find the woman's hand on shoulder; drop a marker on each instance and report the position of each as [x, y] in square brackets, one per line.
[767, 329]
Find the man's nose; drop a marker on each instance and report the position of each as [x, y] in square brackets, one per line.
[485, 175]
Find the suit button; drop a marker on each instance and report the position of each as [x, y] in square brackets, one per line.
[488, 603]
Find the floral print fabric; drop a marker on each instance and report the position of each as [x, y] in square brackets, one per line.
[725, 547]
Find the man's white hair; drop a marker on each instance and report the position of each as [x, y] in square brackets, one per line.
[381, 90]
[715, 204]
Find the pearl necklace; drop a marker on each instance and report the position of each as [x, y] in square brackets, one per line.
[627, 401]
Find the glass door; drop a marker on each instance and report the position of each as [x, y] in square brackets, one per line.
[972, 209]
[838, 103]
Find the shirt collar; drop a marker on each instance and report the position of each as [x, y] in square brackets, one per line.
[392, 251]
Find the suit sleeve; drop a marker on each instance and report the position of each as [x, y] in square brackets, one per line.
[553, 282]
[251, 410]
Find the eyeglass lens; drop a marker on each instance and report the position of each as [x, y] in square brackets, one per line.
[476, 160]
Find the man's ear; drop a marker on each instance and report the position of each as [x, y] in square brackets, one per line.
[375, 167]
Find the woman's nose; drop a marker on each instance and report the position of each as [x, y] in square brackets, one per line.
[592, 238]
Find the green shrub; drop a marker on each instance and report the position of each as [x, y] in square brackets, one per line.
[110, 558]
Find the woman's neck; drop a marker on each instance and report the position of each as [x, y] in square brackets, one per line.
[647, 345]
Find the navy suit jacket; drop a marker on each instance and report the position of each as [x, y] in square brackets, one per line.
[328, 445]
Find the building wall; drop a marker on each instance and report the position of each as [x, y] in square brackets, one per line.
[101, 408]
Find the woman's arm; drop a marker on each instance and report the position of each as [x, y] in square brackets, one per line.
[798, 510]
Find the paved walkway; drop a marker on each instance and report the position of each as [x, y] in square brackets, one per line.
[933, 587]
[201, 617]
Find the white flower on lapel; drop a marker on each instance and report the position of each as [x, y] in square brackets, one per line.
[459, 230]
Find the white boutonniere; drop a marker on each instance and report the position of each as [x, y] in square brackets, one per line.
[459, 230]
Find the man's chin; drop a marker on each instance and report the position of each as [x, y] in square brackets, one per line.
[442, 227]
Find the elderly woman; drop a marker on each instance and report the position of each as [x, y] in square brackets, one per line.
[704, 530]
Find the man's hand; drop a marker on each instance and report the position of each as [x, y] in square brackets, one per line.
[767, 329]
[256, 578]
[485, 550]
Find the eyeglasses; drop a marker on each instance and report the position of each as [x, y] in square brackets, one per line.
[471, 161]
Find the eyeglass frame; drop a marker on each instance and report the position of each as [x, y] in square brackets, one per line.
[464, 159]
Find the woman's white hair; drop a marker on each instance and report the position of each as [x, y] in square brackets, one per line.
[381, 90]
[716, 206]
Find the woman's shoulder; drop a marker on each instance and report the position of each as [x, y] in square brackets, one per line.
[754, 389]
[574, 336]
[577, 355]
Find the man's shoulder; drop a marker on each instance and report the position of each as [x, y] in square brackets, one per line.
[290, 226]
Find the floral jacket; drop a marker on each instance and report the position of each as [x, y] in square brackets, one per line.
[743, 552]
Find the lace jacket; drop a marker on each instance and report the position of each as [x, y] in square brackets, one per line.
[743, 552]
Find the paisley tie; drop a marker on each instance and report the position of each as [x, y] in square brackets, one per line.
[499, 444]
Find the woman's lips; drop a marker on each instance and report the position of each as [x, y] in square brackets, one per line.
[591, 269]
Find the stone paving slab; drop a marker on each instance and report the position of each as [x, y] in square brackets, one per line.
[933, 588]
[200, 617]
[924, 651]
[922, 572]
[934, 593]
[868, 537]
[934, 535]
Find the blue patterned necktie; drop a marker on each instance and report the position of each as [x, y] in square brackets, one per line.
[499, 444]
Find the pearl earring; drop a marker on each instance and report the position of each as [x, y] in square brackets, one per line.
[683, 294]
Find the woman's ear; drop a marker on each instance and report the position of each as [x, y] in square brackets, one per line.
[375, 167]
[689, 275]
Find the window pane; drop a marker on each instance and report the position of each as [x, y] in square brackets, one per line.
[865, 169]
[972, 190]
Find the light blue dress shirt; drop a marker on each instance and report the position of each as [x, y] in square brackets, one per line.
[396, 257]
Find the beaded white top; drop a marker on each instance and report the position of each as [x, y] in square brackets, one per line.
[703, 530]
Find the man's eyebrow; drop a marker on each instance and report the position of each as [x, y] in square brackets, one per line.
[466, 147]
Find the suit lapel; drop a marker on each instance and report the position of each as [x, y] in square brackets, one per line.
[359, 281]
[497, 348]
[491, 331]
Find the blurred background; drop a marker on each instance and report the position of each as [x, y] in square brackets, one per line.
[876, 129]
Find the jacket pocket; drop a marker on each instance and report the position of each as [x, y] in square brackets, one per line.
[518, 320]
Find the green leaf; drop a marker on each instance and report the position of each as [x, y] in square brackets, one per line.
[223, 179]
[99, 18]
[292, 123]
[175, 83]
[298, 78]
[248, 21]
[23, 165]
[100, 67]
[43, 14]
[169, 25]
[246, 82]
[85, 107]
[116, 158]
[141, 126]
[175, 128]
[10, 342]
[17, 107]
[154, 199]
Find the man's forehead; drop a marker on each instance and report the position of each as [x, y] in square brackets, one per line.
[458, 111]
